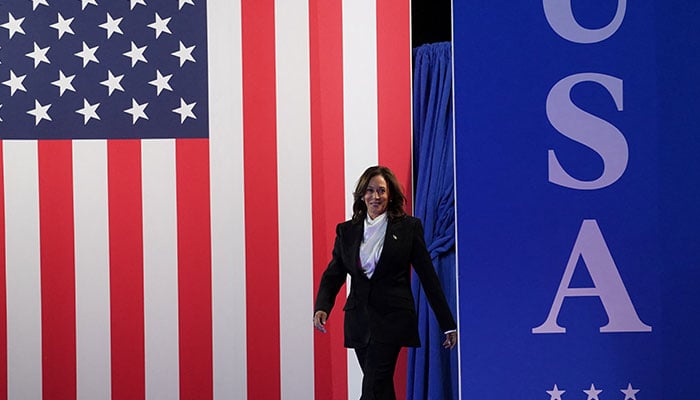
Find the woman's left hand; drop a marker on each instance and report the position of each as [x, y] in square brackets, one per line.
[450, 340]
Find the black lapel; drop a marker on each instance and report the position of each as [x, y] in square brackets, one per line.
[391, 241]
[356, 232]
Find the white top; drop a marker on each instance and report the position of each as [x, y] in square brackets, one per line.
[372, 243]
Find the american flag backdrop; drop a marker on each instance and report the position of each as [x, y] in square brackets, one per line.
[172, 173]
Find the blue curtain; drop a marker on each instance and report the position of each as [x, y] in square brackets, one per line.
[432, 370]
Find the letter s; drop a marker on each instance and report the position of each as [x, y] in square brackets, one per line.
[587, 129]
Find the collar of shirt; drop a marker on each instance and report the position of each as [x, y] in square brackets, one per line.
[370, 222]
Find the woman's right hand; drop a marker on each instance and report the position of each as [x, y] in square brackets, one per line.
[320, 320]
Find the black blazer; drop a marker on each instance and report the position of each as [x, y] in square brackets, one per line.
[383, 307]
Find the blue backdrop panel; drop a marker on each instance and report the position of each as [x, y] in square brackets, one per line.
[679, 110]
[567, 209]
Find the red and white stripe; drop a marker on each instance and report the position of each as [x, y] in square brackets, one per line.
[165, 269]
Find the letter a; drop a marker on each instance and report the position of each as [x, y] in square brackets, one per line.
[607, 285]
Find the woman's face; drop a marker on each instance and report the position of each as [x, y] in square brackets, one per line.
[376, 196]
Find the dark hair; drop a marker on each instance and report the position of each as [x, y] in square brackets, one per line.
[396, 197]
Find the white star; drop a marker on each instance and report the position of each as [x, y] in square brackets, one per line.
[183, 2]
[113, 82]
[555, 394]
[184, 54]
[630, 394]
[185, 110]
[136, 54]
[13, 25]
[86, 2]
[36, 3]
[160, 25]
[63, 26]
[592, 393]
[135, 2]
[15, 83]
[161, 82]
[39, 55]
[88, 54]
[88, 111]
[137, 111]
[112, 26]
[0, 107]
[40, 112]
[64, 83]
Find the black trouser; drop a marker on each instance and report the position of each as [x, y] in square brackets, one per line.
[378, 362]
